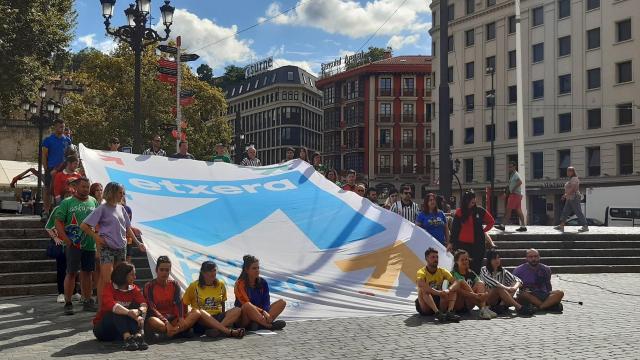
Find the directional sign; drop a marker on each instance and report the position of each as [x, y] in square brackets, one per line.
[167, 71]
[167, 64]
[186, 101]
[167, 49]
[167, 78]
[189, 57]
[186, 93]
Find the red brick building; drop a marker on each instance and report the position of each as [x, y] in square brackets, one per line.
[377, 121]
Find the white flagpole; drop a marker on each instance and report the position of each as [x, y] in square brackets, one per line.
[522, 169]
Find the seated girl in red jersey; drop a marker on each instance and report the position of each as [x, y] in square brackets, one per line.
[166, 313]
[122, 310]
[252, 295]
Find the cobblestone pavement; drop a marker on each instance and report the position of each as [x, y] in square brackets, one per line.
[606, 327]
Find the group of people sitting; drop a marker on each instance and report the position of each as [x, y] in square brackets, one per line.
[494, 291]
[161, 312]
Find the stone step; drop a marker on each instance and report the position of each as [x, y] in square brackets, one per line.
[577, 261]
[22, 266]
[22, 278]
[515, 253]
[530, 237]
[49, 288]
[15, 243]
[23, 233]
[591, 269]
[20, 222]
[544, 244]
[23, 254]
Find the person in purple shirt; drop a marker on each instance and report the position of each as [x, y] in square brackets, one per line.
[536, 284]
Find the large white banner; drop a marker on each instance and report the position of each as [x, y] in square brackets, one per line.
[327, 252]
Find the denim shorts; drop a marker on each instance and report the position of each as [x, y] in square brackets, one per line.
[112, 256]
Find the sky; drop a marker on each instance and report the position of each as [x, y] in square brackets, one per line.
[316, 31]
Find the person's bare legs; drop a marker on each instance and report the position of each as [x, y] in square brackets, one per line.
[521, 217]
[507, 217]
[496, 294]
[105, 276]
[210, 322]
[554, 298]
[250, 313]
[277, 308]
[86, 287]
[427, 304]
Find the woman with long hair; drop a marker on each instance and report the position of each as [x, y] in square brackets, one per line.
[166, 311]
[96, 191]
[572, 198]
[207, 296]
[302, 154]
[252, 295]
[471, 291]
[391, 199]
[467, 231]
[502, 285]
[332, 175]
[433, 220]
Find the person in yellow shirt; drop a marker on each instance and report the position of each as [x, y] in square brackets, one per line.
[207, 296]
[435, 296]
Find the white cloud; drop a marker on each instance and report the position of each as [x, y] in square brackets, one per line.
[397, 42]
[198, 33]
[106, 46]
[310, 67]
[350, 18]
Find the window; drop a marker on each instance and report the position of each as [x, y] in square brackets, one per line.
[513, 129]
[450, 44]
[564, 122]
[491, 2]
[623, 30]
[538, 89]
[450, 74]
[511, 24]
[468, 70]
[594, 118]
[491, 63]
[450, 138]
[538, 16]
[537, 164]
[470, 6]
[511, 61]
[564, 45]
[451, 12]
[564, 8]
[408, 88]
[469, 134]
[623, 72]
[538, 126]
[625, 114]
[385, 164]
[407, 164]
[513, 94]
[468, 170]
[538, 52]
[593, 78]
[407, 109]
[385, 109]
[385, 86]
[491, 99]
[488, 169]
[469, 102]
[625, 159]
[433, 48]
[593, 38]
[490, 133]
[491, 31]
[407, 138]
[469, 37]
[593, 161]
[564, 84]
[450, 106]
[593, 4]
[385, 138]
[564, 161]
[290, 75]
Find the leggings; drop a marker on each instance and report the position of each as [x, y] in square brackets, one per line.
[61, 272]
[112, 327]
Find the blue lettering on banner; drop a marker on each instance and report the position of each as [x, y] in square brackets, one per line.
[237, 206]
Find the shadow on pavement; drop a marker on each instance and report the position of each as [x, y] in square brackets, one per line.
[417, 320]
[90, 347]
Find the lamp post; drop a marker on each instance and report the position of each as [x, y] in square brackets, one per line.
[138, 36]
[492, 96]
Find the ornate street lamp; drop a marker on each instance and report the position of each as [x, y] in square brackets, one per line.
[138, 36]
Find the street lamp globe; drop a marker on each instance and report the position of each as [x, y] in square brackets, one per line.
[107, 8]
[167, 13]
[25, 105]
[56, 108]
[50, 105]
[42, 92]
[130, 13]
[144, 6]
[33, 108]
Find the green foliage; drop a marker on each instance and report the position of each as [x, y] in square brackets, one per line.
[205, 73]
[33, 34]
[232, 74]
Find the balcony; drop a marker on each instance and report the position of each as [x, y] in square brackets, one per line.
[408, 92]
[408, 117]
[386, 118]
[384, 92]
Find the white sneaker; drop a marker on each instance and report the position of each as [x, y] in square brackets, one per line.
[60, 299]
[583, 229]
[76, 297]
[484, 313]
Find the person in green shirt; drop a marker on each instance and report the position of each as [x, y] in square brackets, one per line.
[221, 154]
[317, 163]
[80, 249]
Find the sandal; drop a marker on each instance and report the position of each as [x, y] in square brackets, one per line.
[236, 333]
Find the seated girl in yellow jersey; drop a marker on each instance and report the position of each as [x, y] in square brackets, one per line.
[207, 296]
[471, 291]
[252, 296]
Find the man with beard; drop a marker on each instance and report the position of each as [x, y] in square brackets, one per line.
[536, 283]
[80, 249]
[434, 297]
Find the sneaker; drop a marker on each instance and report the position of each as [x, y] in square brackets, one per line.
[559, 228]
[500, 227]
[76, 297]
[278, 325]
[452, 317]
[484, 314]
[130, 344]
[525, 310]
[68, 309]
[557, 308]
[583, 229]
[139, 339]
[442, 317]
[521, 229]
[60, 299]
[89, 305]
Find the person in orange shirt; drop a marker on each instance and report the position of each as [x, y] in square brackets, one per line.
[62, 178]
[252, 295]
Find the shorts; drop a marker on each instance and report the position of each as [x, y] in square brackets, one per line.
[436, 299]
[200, 329]
[112, 256]
[129, 250]
[514, 202]
[78, 259]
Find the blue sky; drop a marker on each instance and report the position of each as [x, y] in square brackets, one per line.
[315, 32]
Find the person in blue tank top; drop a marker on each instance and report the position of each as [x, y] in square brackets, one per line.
[433, 220]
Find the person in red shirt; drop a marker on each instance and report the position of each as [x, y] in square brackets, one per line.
[122, 310]
[351, 181]
[62, 178]
[166, 313]
[467, 231]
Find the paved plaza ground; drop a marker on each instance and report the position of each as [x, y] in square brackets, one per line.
[605, 327]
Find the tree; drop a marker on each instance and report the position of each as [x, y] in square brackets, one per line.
[205, 73]
[32, 35]
[232, 74]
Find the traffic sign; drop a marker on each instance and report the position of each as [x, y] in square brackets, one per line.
[189, 57]
[167, 49]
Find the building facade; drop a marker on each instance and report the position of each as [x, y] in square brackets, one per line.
[581, 62]
[377, 121]
[274, 110]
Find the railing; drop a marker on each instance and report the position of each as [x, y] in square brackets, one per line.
[386, 145]
[407, 144]
[408, 117]
[384, 92]
[407, 169]
[408, 92]
[384, 118]
[384, 170]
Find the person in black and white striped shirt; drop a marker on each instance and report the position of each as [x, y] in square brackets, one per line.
[251, 159]
[406, 207]
[502, 286]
